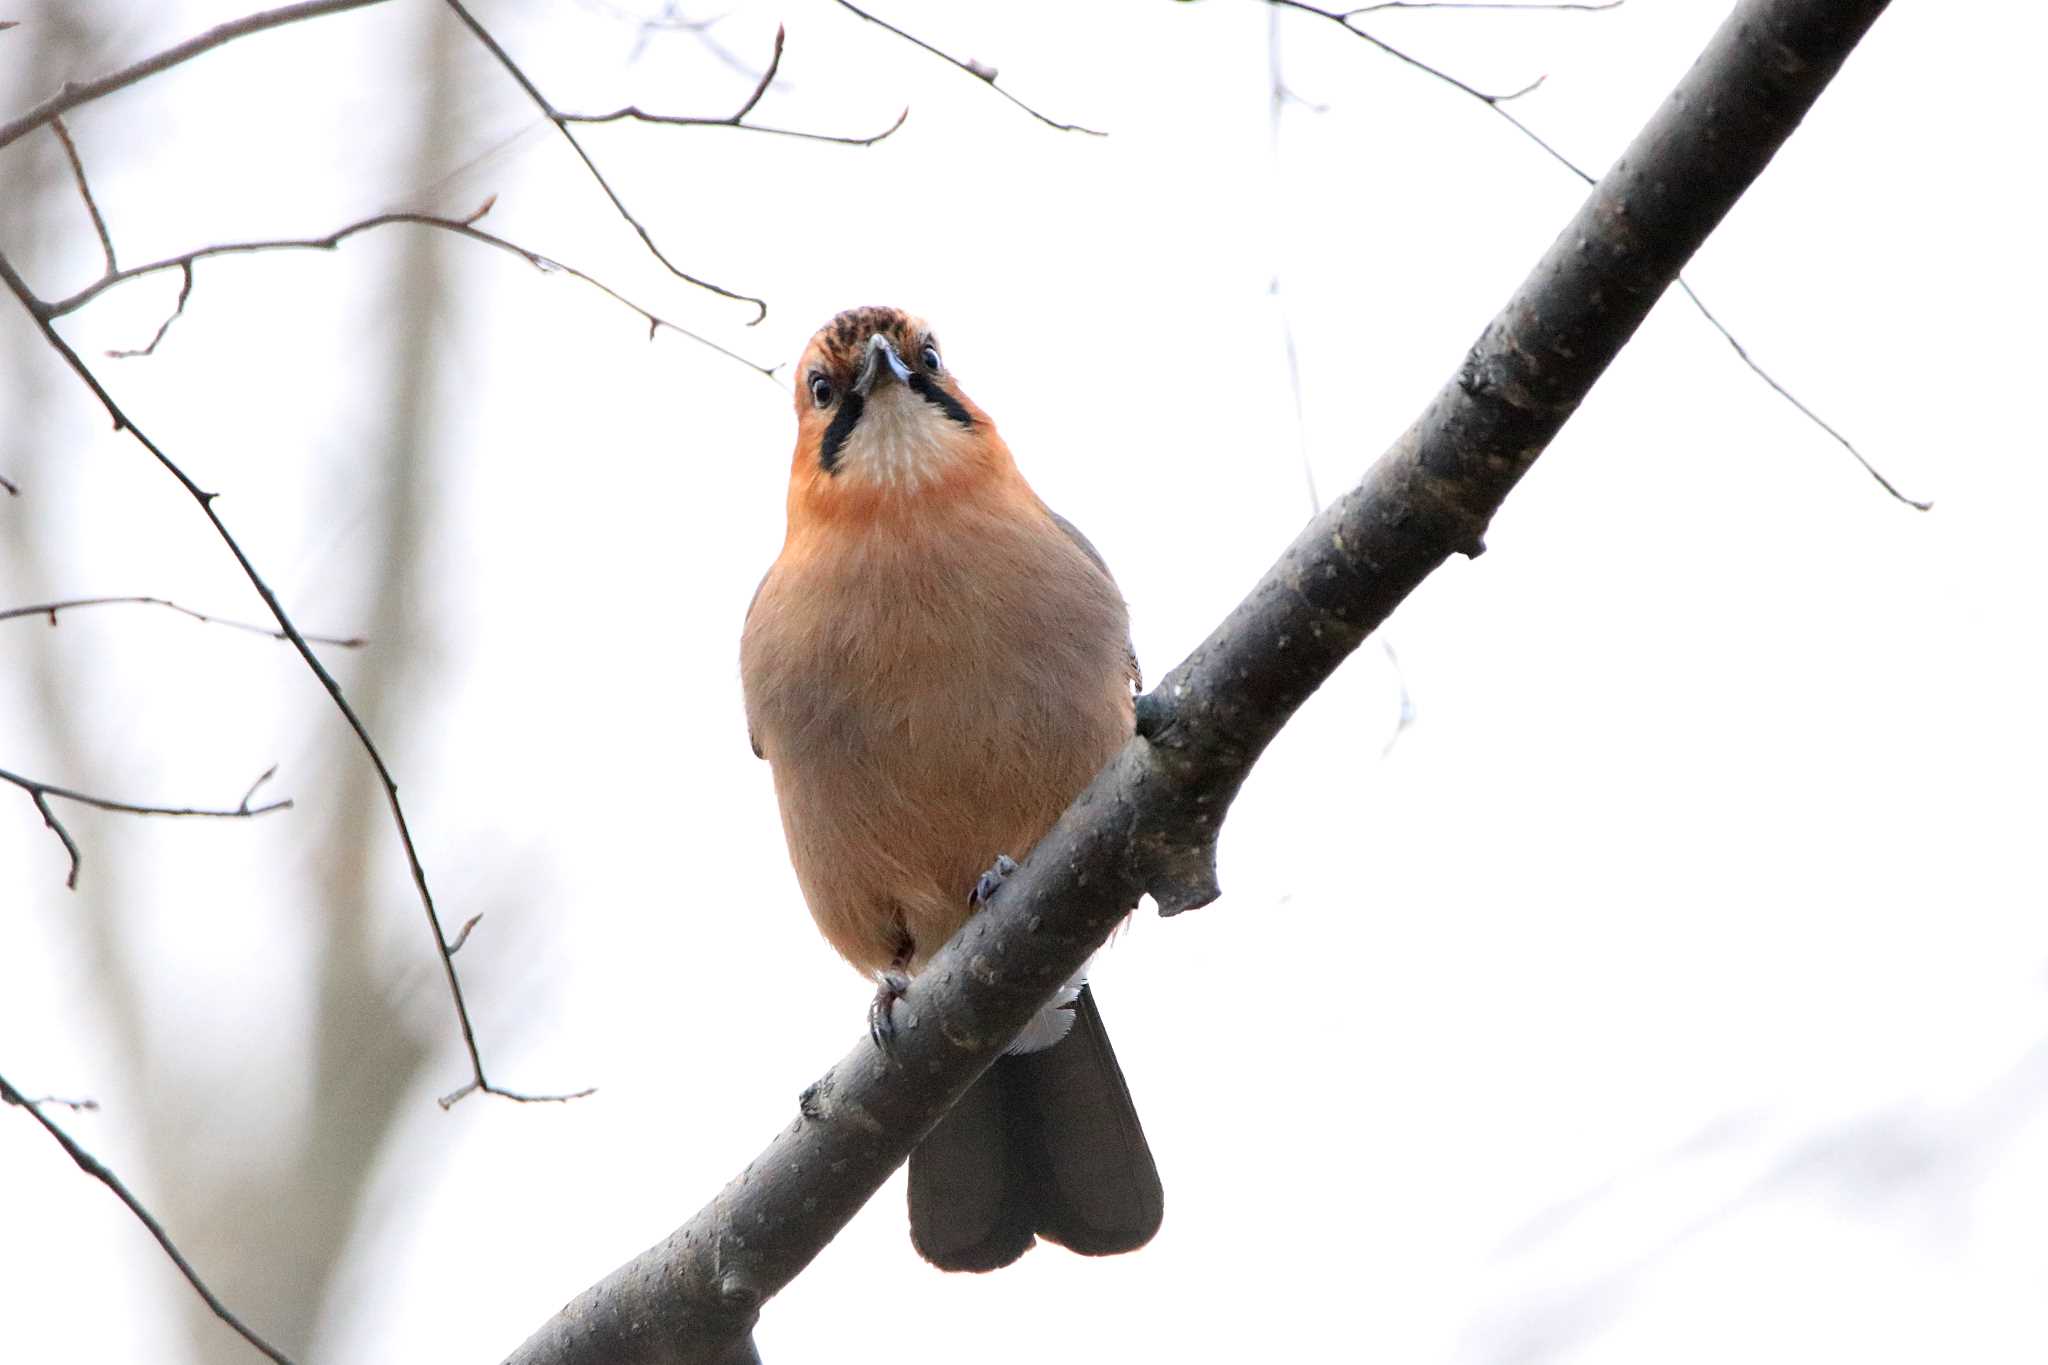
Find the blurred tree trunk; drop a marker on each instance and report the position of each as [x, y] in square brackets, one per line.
[268, 1200]
[366, 1048]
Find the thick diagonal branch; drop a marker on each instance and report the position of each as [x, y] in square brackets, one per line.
[1148, 822]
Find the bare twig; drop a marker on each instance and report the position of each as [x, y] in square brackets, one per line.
[41, 792]
[50, 610]
[92, 207]
[1494, 102]
[40, 312]
[462, 934]
[250, 795]
[981, 72]
[1919, 504]
[461, 227]
[42, 805]
[640, 115]
[13, 488]
[737, 120]
[156, 338]
[93, 1167]
[75, 93]
[75, 1106]
[561, 123]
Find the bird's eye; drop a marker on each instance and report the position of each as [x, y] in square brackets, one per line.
[931, 357]
[821, 390]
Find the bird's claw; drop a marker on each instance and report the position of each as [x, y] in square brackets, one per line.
[991, 881]
[881, 1020]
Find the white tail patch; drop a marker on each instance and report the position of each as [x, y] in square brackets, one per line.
[1053, 1022]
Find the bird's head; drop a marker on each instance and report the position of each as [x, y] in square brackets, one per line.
[879, 415]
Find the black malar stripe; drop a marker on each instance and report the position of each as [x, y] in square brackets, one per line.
[843, 423]
[923, 387]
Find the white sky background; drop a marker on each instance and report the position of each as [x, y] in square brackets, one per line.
[1677, 987]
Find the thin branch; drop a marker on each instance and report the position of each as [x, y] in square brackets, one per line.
[99, 224]
[74, 93]
[93, 1167]
[40, 312]
[254, 787]
[670, 20]
[1494, 102]
[461, 227]
[13, 488]
[561, 123]
[40, 793]
[1919, 504]
[985, 74]
[75, 1106]
[156, 338]
[462, 934]
[50, 610]
[42, 805]
[736, 120]
[640, 115]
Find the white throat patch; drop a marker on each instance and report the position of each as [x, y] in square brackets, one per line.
[901, 440]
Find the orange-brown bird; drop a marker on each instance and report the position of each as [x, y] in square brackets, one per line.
[934, 667]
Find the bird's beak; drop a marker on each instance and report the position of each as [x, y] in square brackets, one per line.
[878, 364]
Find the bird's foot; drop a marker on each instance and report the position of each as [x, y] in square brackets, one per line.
[991, 881]
[891, 986]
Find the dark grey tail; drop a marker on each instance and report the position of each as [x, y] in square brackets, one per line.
[1045, 1144]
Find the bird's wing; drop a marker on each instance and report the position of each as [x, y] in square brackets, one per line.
[1088, 548]
[753, 743]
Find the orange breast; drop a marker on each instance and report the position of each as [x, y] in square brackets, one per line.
[933, 684]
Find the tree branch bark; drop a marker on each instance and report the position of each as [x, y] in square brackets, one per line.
[75, 93]
[1148, 823]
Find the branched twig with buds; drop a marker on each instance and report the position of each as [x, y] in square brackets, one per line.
[1344, 19]
[738, 119]
[50, 610]
[45, 312]
[563, 124]
[75, 93]
[40, 312]
[465, 227]
[41, 792]
[981, 71]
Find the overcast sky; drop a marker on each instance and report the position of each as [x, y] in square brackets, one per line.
[1674, 987]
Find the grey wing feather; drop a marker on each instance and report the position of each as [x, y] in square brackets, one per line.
[1088, 548]
[753, 743]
